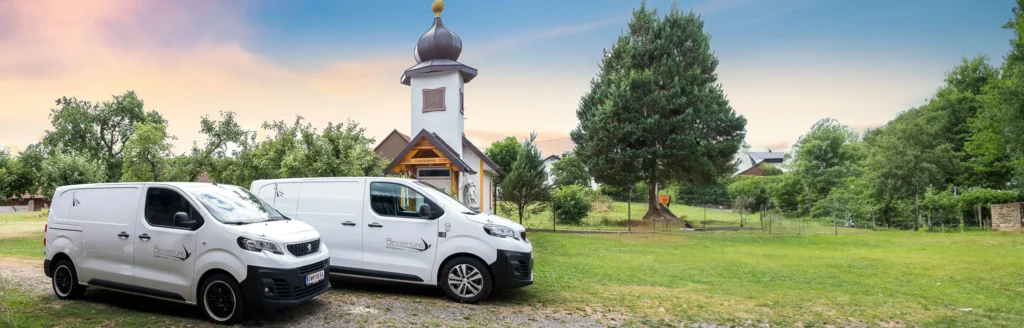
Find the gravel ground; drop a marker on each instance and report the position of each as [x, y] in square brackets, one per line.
[349, 303]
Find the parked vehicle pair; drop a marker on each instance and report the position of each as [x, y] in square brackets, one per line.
[218, 247]
[404, 230]
[232, 252]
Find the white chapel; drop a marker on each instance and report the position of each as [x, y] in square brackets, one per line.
[438, 152]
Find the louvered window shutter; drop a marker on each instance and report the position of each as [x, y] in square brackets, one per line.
[433, 100]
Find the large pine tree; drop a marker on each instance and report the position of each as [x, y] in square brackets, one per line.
[656, 113]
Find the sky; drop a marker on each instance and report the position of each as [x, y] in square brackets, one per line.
[784, 64]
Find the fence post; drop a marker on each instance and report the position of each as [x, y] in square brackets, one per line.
[705, 218]
[629, 212]
[554, 221]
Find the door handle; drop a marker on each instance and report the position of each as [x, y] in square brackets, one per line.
[123, 235]
[349, 223]
[374, 225]
[144, 237]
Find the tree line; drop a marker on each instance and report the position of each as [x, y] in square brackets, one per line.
[935, 164]
[121, 141]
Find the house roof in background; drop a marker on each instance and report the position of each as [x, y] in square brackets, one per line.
[553, 157]
[766, 156]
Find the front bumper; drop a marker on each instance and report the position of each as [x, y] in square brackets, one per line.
[512, 269]
[271, 288]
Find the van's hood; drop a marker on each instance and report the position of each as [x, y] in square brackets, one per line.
[485, 218]
[283, 231]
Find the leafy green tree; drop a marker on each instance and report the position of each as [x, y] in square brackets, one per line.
[98, 131]
[570, 171]
[908, 156]
[850, 200]
[785, 191]
[70, 169]
[716, 193]
[655, 112]
[146, 154]
[214, 157]
[750, 192]
[571, 203]
[503, 153]
[824, 158]
[526, 184]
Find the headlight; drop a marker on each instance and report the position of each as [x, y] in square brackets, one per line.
[501, 231]
[257, 245]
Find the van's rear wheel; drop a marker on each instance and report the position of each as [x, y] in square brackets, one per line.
[466, 280]
[65, 281]
[220, 299]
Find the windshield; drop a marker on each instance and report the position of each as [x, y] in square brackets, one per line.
[233, 204]
[438, 194]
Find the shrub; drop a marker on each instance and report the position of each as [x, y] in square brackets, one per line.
[572, 203]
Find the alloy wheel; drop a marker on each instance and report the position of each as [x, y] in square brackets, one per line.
[465, 280]
[220, 300]
[62, 281]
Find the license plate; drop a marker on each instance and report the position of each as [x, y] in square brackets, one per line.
[314, 277]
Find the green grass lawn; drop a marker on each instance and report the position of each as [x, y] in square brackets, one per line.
[972, 279]
[910, 278]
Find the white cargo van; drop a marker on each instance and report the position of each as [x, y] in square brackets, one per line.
[404, 230]
[215, 246]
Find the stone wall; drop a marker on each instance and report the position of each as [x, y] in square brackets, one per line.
[1007, 217]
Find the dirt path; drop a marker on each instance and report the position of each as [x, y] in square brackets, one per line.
[349, 303]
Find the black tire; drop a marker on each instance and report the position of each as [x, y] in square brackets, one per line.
[64, 281]
[461, 290]
[220, 299]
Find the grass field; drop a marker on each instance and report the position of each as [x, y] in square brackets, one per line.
[885, 278]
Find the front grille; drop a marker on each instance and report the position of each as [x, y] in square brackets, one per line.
[286, 291]
[303, 249]
[313, 268]
[303, 291]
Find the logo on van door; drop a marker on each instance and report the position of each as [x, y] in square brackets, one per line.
[421, 246]
[171, 254]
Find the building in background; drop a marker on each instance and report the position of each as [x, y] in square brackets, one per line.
[439, 153]
[760, 160]
[27, 203]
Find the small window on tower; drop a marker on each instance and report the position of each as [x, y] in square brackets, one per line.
[462, 102]
[433, 100]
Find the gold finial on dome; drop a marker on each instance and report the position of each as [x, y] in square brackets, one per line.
[437, 7]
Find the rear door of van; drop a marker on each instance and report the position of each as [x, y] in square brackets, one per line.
[334, 208]
[106, 215]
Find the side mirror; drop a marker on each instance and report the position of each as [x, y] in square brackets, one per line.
[425, 211]
[181, 219]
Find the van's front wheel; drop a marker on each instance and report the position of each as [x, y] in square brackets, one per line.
[65, 281]
[466, 280]
[220, 299]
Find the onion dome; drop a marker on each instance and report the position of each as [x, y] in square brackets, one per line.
[439, 42]
[438, 50]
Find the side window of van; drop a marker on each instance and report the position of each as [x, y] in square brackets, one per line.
[162, 204]
[390, 199]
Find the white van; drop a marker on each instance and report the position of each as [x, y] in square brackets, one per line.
[404, 230]
[215, 246]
